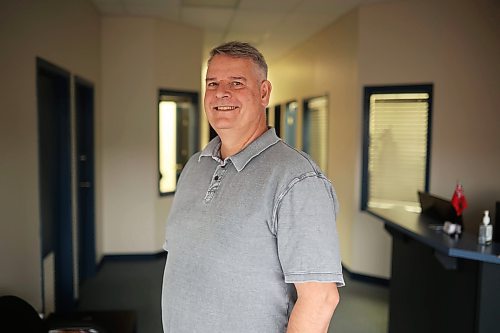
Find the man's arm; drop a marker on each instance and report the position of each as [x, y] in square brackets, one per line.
[314, 308]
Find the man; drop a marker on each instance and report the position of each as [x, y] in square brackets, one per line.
[251, 236]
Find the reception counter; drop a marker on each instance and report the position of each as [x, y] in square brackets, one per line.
[439, 283]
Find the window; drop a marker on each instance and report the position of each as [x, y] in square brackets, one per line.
[290, 127]
[178, 139]
[396, 147]
[273, 116]
[315, 129]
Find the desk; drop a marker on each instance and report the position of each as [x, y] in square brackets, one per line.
[438, 283]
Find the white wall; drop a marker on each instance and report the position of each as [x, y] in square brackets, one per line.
[139, 56]
[452, 44]
[66, 34]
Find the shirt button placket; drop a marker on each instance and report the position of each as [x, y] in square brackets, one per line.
[215, 183]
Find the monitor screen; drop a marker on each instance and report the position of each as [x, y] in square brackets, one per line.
[437, 208]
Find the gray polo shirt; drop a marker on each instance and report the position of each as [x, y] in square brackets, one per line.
[240, 232]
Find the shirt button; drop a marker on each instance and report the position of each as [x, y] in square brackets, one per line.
[216, 178]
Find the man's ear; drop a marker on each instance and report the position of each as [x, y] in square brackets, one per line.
[265, 92]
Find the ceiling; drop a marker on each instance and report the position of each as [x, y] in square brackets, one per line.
[274, 26]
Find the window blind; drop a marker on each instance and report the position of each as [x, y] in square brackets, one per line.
[397, 153]
[317, 137]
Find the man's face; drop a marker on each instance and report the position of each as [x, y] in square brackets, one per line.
[236, 95]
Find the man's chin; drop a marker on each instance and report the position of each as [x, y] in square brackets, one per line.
[222, 125]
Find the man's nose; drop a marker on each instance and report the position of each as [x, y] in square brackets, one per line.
[222, 90]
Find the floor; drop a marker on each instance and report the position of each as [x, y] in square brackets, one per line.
[135, 284]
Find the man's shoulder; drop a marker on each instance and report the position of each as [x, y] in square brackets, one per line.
[291, 159]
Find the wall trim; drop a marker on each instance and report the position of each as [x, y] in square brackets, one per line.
[367, 278]
[130, 256]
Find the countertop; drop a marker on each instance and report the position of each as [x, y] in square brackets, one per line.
[420, 228]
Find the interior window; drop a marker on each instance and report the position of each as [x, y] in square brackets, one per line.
[290, 127]
[315, 130]
[397, 128]
[178, 135]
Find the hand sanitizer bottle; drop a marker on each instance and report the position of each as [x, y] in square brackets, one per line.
[485, 230]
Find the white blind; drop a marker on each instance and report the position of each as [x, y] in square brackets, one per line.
[318, 112]
[397, 148]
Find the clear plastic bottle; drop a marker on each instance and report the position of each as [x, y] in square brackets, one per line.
[485, 230]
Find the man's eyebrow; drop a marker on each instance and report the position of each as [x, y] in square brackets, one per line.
[231, 77]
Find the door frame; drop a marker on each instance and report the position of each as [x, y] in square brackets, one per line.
[56, 236]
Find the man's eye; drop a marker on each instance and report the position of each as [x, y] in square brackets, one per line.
[212, 84]
[236, 83]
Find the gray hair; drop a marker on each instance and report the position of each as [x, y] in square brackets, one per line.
[240, 50]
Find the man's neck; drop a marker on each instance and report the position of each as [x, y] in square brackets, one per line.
[234, 143]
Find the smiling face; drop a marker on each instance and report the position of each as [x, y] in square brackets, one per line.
[236, 96]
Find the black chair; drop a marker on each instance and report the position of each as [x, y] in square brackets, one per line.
[17, 315]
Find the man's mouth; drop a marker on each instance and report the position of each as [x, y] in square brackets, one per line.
[225, 108]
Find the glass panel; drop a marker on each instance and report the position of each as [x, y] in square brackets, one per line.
[273, 116]
[315, 129]
[168, 144]
[291, 123]
[397, 153]
[178, 137]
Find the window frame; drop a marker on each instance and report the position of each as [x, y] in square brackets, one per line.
[285, 129]
[393, 89]
[305, 110]
[194, 97]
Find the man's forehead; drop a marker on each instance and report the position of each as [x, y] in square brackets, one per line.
[233, 67]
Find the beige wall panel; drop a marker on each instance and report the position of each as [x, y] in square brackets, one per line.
[128, 134]
[327, 64]
[66, 34]
[177, 67]
[140, 56]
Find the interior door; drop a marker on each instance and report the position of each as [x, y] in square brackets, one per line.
[84, 105]
[53, 97]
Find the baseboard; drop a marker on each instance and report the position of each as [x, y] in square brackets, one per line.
[367, 278]
[131, 257]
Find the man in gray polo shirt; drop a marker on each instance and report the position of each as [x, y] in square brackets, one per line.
[251, 236]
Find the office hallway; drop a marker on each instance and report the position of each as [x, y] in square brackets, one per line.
[135, 284]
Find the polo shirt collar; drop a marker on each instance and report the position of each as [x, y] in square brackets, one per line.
[241, 159]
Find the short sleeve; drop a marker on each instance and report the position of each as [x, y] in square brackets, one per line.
[308, 246]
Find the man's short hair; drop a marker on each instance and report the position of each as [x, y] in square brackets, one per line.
[240, 50]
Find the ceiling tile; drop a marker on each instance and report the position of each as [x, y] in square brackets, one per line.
[252, 21]
[267, 5]
[207, 18]
[230, 4]
[110, 7]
